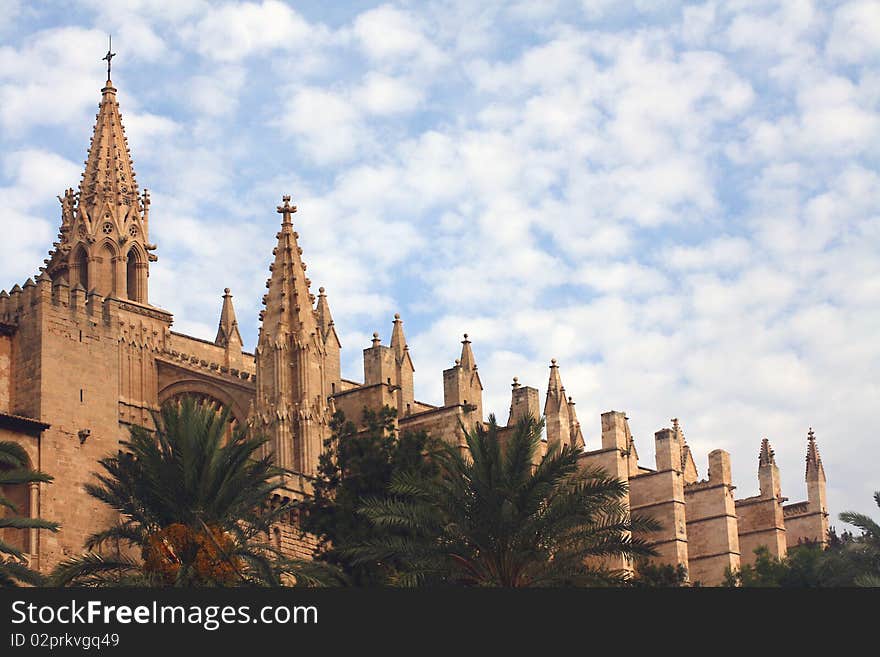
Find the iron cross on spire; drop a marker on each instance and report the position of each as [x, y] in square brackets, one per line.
[110, 55]
[287, 209]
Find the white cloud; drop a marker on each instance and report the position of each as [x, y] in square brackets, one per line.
[722, 253]
[231, 32]
[56, 64]
[29, 209]
[389, 34]
[628, 278]
[217, 94]
[383, 94]
[854, 31]
[326, 125]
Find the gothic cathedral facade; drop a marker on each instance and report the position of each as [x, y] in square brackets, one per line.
[84, 355]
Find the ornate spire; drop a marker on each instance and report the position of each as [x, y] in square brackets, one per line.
[767, 455]
[688, 465]
[109, 175]
[104, 236]
[291, 398]
[814, 461]
[288, 301]
[227, 331]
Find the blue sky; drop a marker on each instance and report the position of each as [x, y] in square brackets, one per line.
[678, 201]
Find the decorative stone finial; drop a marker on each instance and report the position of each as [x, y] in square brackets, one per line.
[552, 362]
[320, 290]
[515, 383]
[396, 317]
[376, 340]
[226, 291]
[286, 209]
[814, 461]
[766, 455]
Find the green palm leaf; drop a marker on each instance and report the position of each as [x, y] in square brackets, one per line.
[498, 516]
[192, 471]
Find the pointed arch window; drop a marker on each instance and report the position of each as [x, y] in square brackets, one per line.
[80, 268]
[106, 271]
[132, 271]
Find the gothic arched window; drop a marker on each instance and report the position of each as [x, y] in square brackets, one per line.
[106, 271]
[133, 276]
[79, 270]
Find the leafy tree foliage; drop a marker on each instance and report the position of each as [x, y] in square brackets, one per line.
[356, 465]
[846, 561]
[865, 548]
[650, 575]
[14, 471]
[493, 519]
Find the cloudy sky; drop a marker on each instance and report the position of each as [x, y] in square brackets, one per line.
[678, 201]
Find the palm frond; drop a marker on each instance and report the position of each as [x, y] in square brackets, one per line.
[91, 569]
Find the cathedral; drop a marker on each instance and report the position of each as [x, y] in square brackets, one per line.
[84, 355]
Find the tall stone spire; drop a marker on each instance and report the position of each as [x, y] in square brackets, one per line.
[688, 466]
[292, 389]
[103, 242]
[814, 461]
[768, 473]
[766, 456]
[817, 500]
[109, 175]
[288, 304]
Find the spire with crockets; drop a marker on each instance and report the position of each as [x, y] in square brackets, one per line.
[292, 383]
[103, 244]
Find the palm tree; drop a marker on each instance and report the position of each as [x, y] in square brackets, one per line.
[867, 545]
[493, 519]
[193, 498]
[14, 471]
